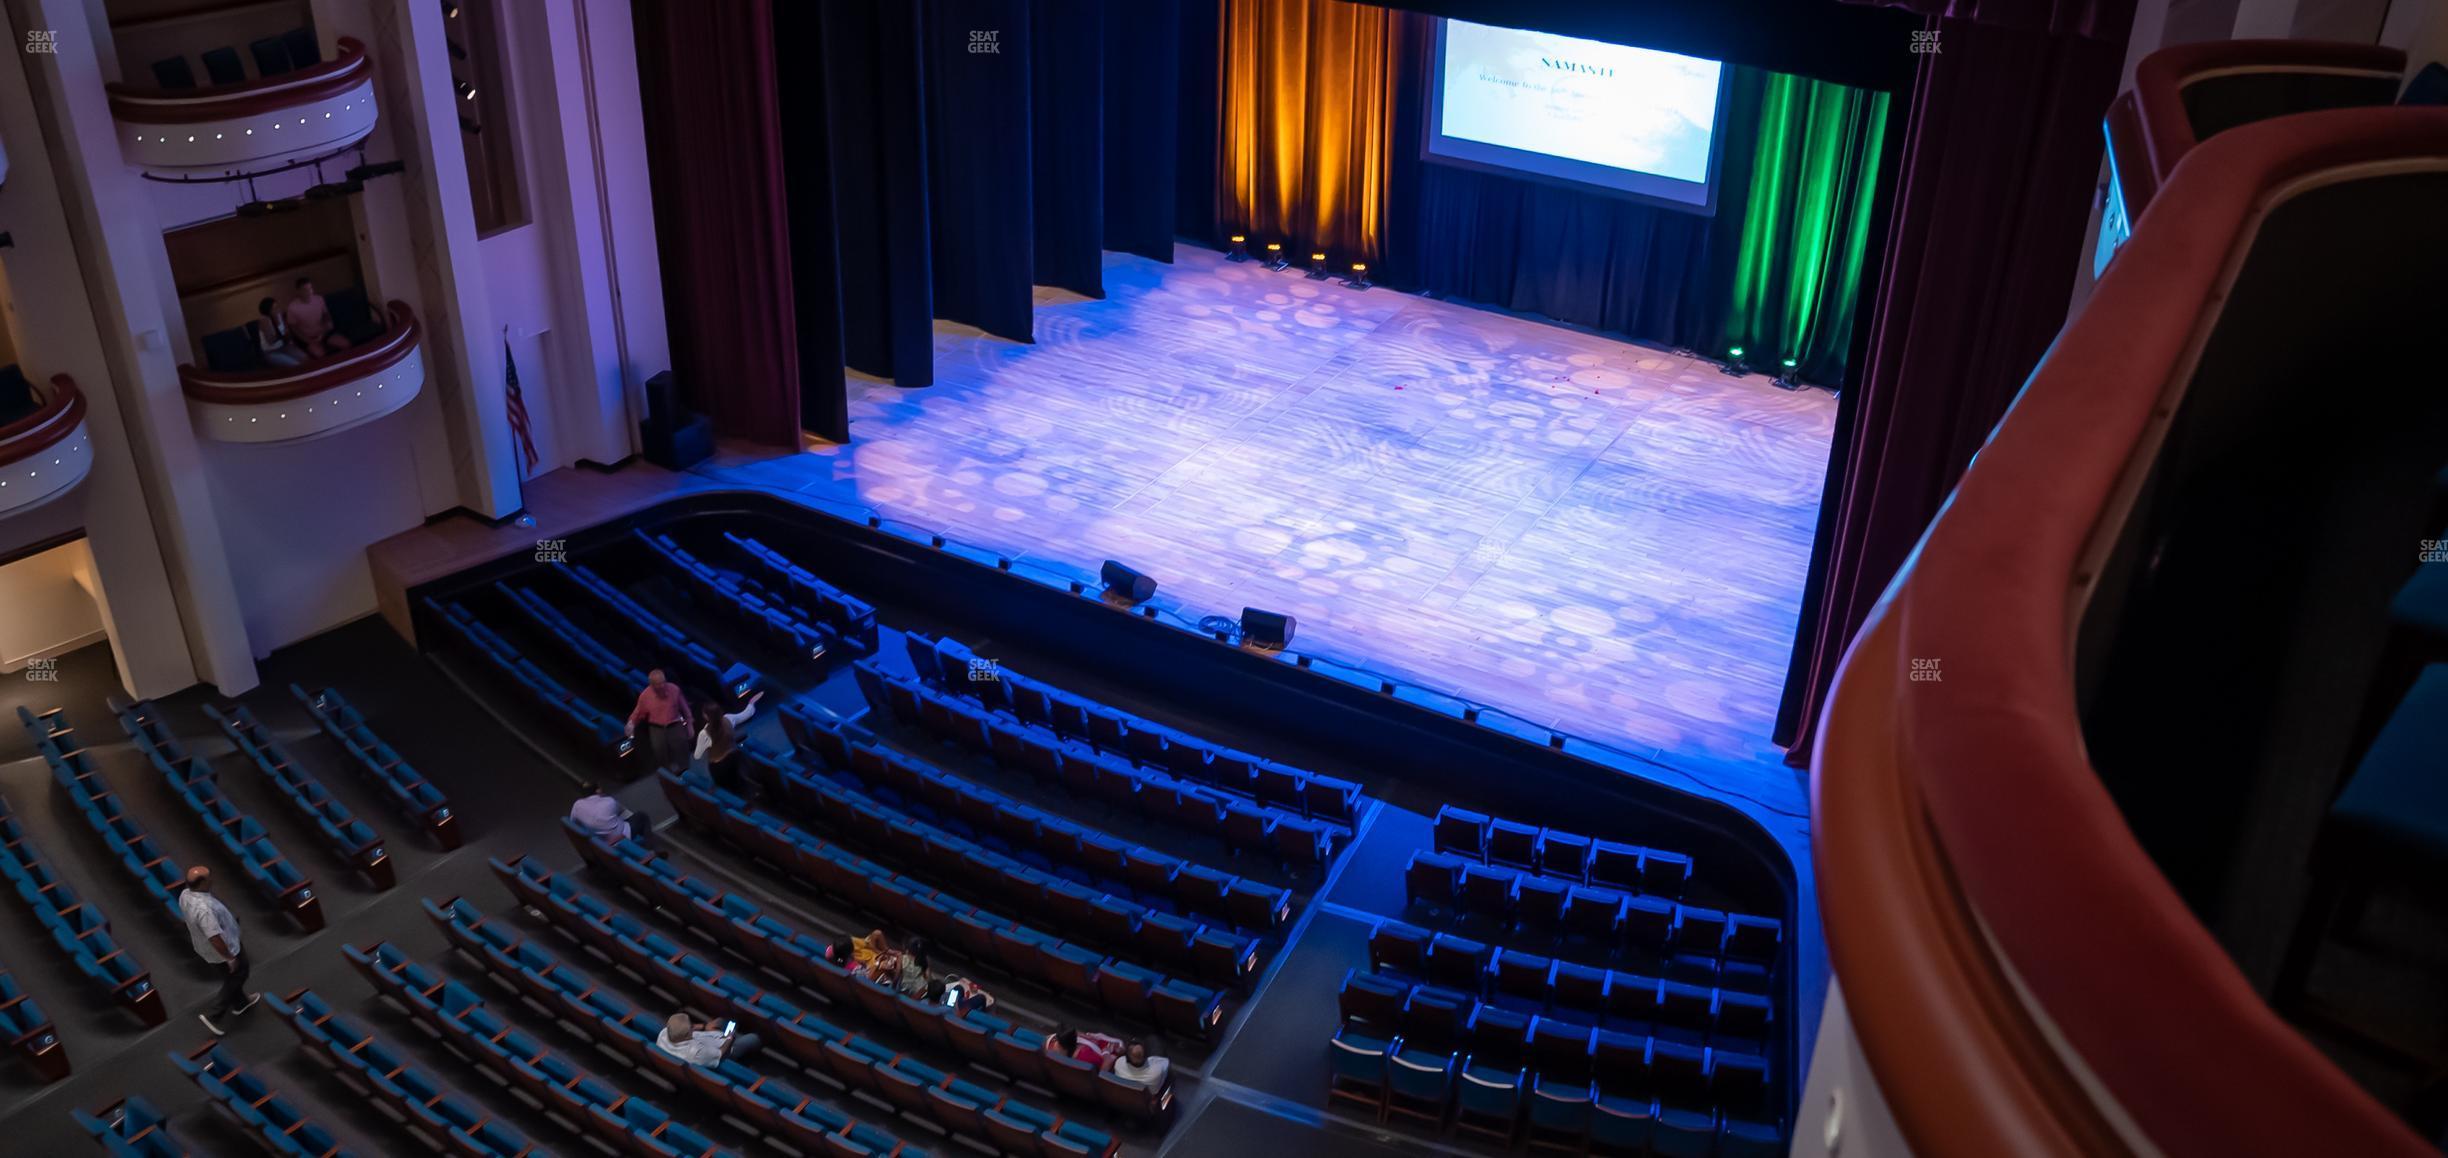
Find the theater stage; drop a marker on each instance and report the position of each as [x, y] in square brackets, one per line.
[1586, 532]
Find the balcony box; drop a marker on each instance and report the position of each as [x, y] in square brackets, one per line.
[262, 126]
[321, 397]
[47, 452]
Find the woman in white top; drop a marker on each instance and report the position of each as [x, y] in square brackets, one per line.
[718, 742]
[272, 336]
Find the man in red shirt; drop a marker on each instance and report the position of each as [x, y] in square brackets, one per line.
[665, 712]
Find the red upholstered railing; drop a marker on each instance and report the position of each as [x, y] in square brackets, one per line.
[2150, 129]
[2020, 976]
[62, 410]
[159, 106]
[280, 384]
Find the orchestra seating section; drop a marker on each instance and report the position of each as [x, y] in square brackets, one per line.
[412, 796]
[260, 862]
[350, 841]
[1088, 865]
[79, 928]
[254, 1105]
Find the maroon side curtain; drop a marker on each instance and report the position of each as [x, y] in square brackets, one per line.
[714, 143]
[2001, 164]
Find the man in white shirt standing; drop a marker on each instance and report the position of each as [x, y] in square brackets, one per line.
[213, 930]
[695, 1043]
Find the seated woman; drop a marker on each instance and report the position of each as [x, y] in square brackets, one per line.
[910, 973]
[1096, 1049]
[271, 336]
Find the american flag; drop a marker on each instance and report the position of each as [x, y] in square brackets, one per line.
[517, 401]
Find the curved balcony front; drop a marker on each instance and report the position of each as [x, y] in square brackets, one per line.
[44, 454]
[258, 127]
[320, 397]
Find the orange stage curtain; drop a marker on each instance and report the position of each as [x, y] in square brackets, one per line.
[1308, 125]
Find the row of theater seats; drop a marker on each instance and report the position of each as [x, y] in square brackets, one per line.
[779, 1111]
[854, 618]
[151, 868]
[857, 1061]
[948, 664]
[1041, 839]
[131, 1128]
[1072, 900]
[274, 56]
[412, 796]
[29, 1032]
[241, 1095]
[1563, 1046]
[448, 1119]
[1244, 824]
[78, 927]
[613, 675]
[690, 660]
[588, 722]
[351, 841]
[1634, 1002]
[1177, 1006]
[1481, 839]
[742, 926]
[561, 1088]
[1644, 930]
[1441, 1063]
[261, 863]
[746, 603]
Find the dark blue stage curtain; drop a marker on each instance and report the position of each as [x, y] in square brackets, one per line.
[1197, 207]
[872, 63]
[1067, 155]
[980, 180]
[1142, 112]
[808, 172]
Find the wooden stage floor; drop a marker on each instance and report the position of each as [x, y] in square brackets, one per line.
[1591, 534]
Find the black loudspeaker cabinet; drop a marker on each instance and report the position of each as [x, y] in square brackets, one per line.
[664, 404]
[677, 447]
[1271, 629]
[1127, 583]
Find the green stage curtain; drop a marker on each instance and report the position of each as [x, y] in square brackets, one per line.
[1805, 224]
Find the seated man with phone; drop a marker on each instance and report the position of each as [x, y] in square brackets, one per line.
[705, 1043]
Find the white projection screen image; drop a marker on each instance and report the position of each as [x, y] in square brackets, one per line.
[1632, 122]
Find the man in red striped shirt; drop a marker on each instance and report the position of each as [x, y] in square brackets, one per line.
[665, 712]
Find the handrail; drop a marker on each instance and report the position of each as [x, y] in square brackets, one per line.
[348, 67]
[280, 384]
[63, 410]
[2158, 129]
[2021, 977]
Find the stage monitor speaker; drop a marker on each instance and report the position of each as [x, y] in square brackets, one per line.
[678, 446]
[1268, 629]
[1130, 585]
[664, 405]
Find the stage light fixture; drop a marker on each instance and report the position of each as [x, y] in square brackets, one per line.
[1734, 363]
[1275, 258]
[1789, 376]
[467, 92]
[1317, 267]
[1359, 276]
[363, 173]
[1240, 248]
[450, 10]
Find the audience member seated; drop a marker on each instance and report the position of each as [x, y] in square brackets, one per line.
[697, 1043]
[1096, 1049]
[909, 969]
[16, 395]
[310, 322]
[865, 950]
[271, 336]
[965, 995]
[1139, 1069]
[600, 815]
